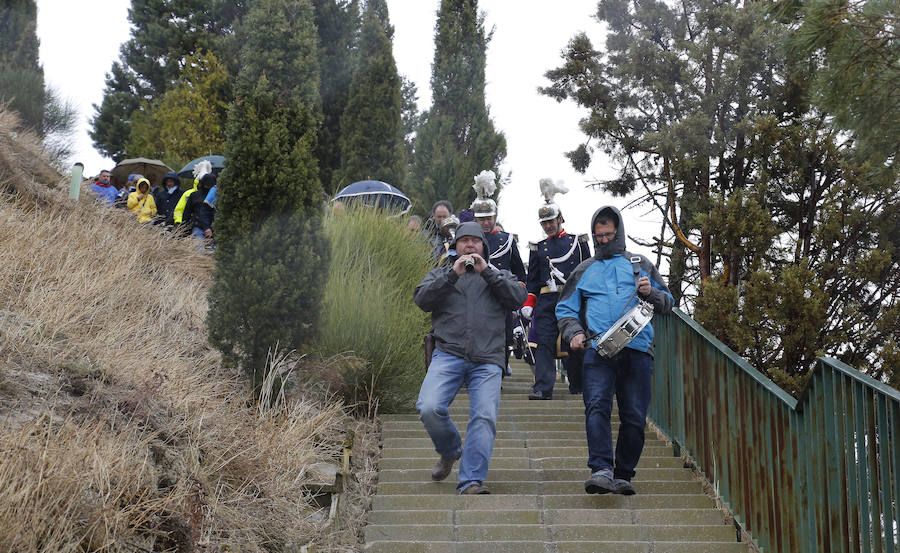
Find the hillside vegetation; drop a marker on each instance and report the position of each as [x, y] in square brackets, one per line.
[119, 429]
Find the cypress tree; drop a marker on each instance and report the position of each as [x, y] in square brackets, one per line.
[270, 254]
[21, 76]
[372, 135]
[457, 139]
[337, 22]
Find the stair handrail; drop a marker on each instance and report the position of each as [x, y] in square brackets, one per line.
[821, 473]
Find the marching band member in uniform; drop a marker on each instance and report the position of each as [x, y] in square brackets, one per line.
[550, 262]
[502, 246]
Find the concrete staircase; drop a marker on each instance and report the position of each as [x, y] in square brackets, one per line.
[537, 502]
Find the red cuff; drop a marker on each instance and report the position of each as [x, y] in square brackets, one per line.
[531, 301]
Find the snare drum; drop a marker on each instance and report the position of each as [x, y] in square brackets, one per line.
[624, 330]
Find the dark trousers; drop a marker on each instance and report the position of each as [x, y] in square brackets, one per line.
[627, 375]
[545, 370]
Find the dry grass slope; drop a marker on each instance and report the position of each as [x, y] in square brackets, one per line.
[119, 430]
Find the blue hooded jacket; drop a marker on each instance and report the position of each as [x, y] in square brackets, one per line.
[603, 289]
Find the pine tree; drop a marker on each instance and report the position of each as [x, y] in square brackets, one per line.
[859, 74]
[338, 23]
[457, 139]
[186, 122]
[372, 137]
[21, 75]
[768, 211]
[164, 34]
[270, 254]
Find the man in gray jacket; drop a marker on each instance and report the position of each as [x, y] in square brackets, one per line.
[468, 300]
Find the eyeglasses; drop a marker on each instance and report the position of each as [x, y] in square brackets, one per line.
[607, 235]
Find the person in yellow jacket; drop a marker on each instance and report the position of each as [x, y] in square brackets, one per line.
[175, 218]
[141, 201]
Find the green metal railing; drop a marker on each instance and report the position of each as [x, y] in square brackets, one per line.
[818, 474]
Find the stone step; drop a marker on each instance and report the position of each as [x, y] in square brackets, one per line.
[564, 412]
[523, 462]
[655, 547]
[502, 425]
[560, 547]
[564, 532]
[424, 441]
[533, 452]
[531, 475]
[559, 487]
[414, 432]
[683, 517]
[509, 450]
[522, 501]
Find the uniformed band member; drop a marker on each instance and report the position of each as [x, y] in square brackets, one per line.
[504, 251]
[549, 264]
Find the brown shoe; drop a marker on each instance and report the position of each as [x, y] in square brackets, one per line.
[442, 468]
[475, 489]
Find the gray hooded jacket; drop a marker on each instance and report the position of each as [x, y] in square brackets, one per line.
[468, 312]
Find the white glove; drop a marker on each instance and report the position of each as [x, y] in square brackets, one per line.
[527, 311]
[518, 331]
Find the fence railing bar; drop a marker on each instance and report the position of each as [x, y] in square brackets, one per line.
[851, 470]
[884, 470]
[862, 463]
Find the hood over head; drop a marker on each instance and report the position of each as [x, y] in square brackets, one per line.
[170, 175]
[615, 246]
[141, 183]
[207, 181]
[470, 228]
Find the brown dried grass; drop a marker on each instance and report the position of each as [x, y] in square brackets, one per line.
[119, 429]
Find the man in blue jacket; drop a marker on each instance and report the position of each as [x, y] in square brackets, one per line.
[598, 292]
[468, 300]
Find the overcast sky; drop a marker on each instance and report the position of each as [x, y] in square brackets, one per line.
[78, 46]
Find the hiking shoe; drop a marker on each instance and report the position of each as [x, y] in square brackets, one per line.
[538, 395]
[600, 482]
[623, 487]
[475, 489]
[443, 467]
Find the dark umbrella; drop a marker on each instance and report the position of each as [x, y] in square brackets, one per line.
[374, 193]
[218, 163]
[153, 169]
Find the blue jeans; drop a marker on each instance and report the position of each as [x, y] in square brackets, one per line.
[627, 374]
[446, 375]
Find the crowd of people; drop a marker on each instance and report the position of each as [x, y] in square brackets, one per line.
[481, 296]
[166, 204]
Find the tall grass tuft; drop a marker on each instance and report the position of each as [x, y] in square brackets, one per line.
[368, 314]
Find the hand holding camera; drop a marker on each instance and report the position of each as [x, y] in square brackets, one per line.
[470, 263]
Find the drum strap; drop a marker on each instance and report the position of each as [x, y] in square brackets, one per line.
[636, 267]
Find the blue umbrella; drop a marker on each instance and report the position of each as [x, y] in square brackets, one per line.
[218, 163]
[374, 193]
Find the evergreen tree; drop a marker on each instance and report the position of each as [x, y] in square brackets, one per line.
[411, 117]
[858, 77]
[164, 33]
[186, 122]
[21, 75]
[337, 22]
[457, 139]
[766, 212]
[270, 254]
[372, 137]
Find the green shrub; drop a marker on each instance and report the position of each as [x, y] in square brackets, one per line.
[267, 290]
[368, 314]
